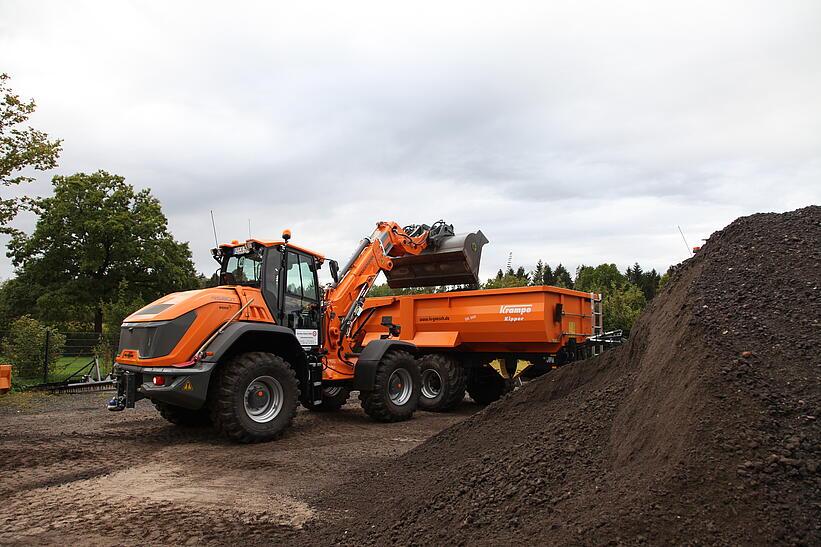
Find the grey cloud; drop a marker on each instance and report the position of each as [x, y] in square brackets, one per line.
[579, 132]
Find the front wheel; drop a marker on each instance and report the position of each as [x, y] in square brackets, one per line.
[254, 398]
[396, 389]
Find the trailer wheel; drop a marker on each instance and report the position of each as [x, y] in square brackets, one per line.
[443, 382]
[485, 385]
[254, 398]
[396, 390]
[333, 398]
[184, 417]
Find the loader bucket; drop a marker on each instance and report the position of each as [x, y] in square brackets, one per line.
[454, 262]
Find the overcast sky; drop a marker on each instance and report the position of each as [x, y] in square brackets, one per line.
[577, 132]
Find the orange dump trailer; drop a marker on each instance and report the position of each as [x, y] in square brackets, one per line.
[479, 339]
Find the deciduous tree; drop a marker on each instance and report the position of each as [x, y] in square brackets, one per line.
[598, 279]
[93, 234]
[622, 306]
[21, 147]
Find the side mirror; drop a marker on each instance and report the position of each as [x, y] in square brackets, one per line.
[334, 267]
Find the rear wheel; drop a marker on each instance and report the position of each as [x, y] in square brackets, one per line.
[184, 417]
[333, 398]
[255, 397]
[485, 385]
[443, 382]
[396, 389]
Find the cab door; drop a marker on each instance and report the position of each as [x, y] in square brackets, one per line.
[300, 298]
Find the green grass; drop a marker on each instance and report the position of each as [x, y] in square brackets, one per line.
[64, 368]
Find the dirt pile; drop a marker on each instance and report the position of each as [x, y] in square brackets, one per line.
[702, 429]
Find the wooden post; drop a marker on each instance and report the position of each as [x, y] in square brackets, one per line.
[45, 356]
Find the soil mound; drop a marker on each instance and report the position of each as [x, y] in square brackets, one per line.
[703, 428]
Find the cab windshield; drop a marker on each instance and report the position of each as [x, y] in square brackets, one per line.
[242, 270]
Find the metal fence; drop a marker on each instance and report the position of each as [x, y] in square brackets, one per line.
[67, 357]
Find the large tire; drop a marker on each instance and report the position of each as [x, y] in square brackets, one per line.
[396, 389]
[333, 398]
[443, 382]
[184, 417]
[254, 398]
[485, 385]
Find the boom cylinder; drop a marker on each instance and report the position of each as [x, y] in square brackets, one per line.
[359, 248]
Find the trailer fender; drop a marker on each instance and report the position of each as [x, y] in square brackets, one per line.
[365, 370]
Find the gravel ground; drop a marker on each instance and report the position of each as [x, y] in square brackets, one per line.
[73, 472]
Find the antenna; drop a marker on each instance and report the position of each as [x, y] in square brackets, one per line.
[249, 228]
[214, 225]
[509, 260]
[684, 239]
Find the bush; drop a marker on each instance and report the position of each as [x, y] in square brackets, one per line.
[25, 344]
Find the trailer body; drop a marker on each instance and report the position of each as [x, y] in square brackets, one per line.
[480, 341]
[520, 321]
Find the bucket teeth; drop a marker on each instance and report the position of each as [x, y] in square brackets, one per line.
[455, 261]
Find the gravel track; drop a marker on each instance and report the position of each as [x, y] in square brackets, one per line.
[71, 471]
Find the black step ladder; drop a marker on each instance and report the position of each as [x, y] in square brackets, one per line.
[314, 394]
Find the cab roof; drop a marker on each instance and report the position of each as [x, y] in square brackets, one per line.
[273, 243]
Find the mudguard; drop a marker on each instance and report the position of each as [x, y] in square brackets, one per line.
[365, 370]
[233, 332]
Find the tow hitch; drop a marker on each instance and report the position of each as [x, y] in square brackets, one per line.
[126, 392]
[116, 403]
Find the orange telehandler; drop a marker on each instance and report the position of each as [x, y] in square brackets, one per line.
[243, 355]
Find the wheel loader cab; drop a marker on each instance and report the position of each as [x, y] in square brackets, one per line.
[287, 278]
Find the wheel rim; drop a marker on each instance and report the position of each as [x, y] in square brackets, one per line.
[431, 384]
[400, 387]
[331, 391]
[264, 399]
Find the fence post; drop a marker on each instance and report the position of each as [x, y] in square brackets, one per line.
[45, 356]
[114, 343]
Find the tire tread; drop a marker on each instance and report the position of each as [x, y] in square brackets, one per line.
[456, 381]
[221, 397]
[373, 403]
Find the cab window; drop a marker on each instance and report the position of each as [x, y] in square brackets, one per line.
[242, 270]
[300, 281]
[308, 285]
[301, 294]
[293, 285]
